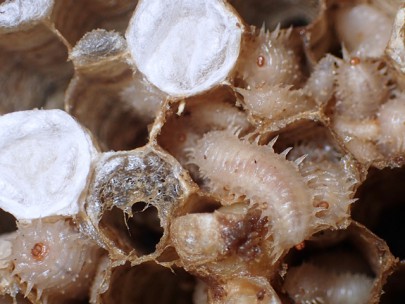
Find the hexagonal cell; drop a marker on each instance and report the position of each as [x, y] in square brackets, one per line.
[381, 207]
[149, 283]
[343, 266]
[133, 197]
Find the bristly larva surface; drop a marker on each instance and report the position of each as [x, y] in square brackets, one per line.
[273, 60]
[54, 258]
[274, 183]
[200, 115]
[308, 284]
[240, 141]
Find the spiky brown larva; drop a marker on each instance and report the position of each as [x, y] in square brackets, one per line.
[239, 168]
[53, 258]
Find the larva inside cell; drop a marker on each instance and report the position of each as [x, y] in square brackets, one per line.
[231, 235]
[271, 58]
[271, 105]
[391, 119]
[331, 174]
[363, 28]
[201, 114]
[53, 258]
[237, 168]
[362, 86]
[338, 267]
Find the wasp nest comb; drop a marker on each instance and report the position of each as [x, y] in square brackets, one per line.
[202, 151]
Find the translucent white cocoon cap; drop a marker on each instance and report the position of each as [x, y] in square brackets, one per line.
[184, 47]
[45, 158]
[15, 13]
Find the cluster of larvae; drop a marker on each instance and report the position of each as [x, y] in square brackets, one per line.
[202, 151]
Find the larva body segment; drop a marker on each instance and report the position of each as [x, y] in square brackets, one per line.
[181, 133]
[354, 30]
[270, 59]
[321, 84]
[391, 118]
[309, 284]
[54, 258]
[263, 177]
[331, 177]
[361, 88]
[275, 102]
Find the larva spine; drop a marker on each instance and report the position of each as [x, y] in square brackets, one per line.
[274, 183]
[54, 258]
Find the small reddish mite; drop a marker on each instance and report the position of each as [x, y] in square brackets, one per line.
[300, 246]
[355, 61]
[39, 251]
[260, 61]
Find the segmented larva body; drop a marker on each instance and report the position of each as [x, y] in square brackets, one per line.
[391, 118]
[331, 179]
[270, 60]
[54, 258]
[354, 30]
[275, 102]
[333, 188]
[361, 88]
[310, 284]
[186, 130]
[321, 84]
[237, 167]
